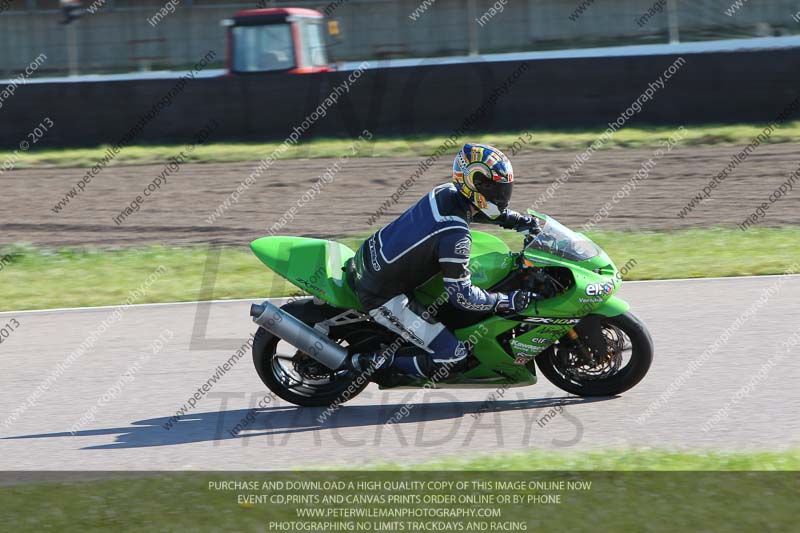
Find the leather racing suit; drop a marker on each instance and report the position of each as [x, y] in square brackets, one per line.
[430, 238]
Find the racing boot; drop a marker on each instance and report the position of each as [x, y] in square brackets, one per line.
[370, 363]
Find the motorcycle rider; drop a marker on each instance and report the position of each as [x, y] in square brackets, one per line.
[433, 237]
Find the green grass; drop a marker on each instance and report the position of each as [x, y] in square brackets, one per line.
[617, 460]
[703, 253]
[40, 279]
[420, 145]
[629, 490]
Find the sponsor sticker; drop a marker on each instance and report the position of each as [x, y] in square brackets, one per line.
[599, 289]
[531, 347]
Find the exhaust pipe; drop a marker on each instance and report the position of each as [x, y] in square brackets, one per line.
[300, 335]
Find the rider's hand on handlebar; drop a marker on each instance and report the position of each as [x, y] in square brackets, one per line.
[527, 224]
[518, 222]
[513, 302]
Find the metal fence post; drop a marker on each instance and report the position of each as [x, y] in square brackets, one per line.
[672, 21]
[472, 16]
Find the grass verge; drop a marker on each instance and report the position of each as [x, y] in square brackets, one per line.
[617, 460]
[32, 278]
[418, 145]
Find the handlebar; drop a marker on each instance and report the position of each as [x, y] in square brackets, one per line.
[530, 236]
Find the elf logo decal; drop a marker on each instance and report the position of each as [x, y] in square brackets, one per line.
[599, 289]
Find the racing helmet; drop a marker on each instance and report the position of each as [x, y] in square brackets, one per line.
[483, 174]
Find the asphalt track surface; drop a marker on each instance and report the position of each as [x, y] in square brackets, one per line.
[127, 433]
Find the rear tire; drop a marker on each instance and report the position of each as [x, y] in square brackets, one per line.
[626, 377]
[306, 393]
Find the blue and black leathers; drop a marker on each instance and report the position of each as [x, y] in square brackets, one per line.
[432, 237]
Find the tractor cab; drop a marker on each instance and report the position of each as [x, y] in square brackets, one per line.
[288, 40]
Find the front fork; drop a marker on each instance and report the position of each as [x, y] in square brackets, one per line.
[574, 345]
[585, 340]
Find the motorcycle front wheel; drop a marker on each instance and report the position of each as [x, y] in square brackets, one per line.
[582, 369]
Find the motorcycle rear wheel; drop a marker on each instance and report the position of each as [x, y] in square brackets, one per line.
[294, 376]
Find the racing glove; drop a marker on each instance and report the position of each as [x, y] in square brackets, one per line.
[518, 222]
[513, 302]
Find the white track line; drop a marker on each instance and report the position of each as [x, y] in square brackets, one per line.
[256, 299]
[162, 304]
[765, 276]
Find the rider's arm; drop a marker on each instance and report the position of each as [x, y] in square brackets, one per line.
[453, 250]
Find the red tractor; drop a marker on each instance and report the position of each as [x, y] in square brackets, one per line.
[288, 40]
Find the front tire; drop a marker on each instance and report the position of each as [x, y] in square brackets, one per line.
[587, 381]
[293, 375]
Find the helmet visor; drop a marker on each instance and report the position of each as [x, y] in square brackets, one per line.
[498, 194]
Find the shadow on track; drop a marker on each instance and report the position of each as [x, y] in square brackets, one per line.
[276, 424]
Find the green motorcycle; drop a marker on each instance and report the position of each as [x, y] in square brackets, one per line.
[579, 335]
